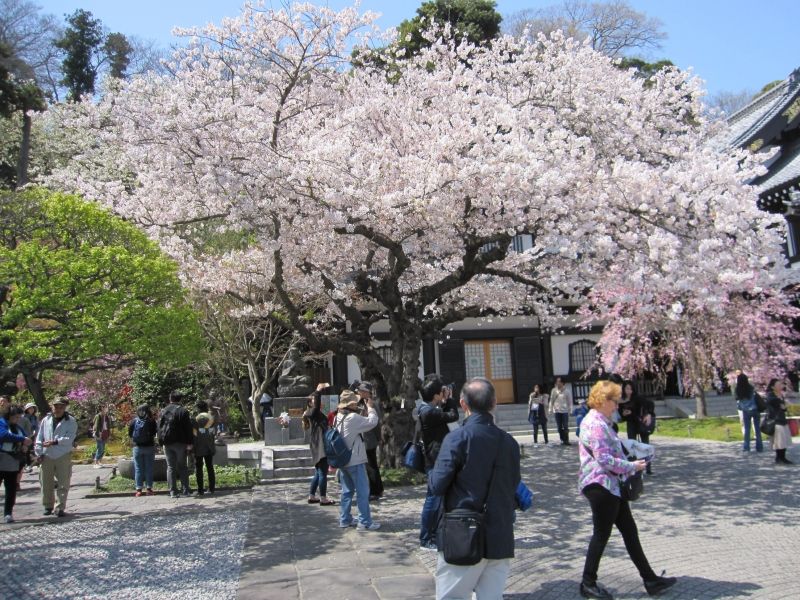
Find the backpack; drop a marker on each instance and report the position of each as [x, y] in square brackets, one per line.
[141, 434]
[336, 449]
[168, 425]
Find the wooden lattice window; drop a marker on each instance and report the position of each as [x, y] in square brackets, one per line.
[582, 356]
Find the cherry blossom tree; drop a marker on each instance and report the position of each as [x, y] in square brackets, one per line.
[654, 333]
[364, 201]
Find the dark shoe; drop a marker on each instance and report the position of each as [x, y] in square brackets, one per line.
[374, 498]
[199, 494]
[61, 513]
[655, 586]
[313, 500]
[595, 591]
[48, 512]
[428, 546]
[785, 461]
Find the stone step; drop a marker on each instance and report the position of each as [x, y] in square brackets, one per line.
[294, 461]
[267, 481]
[291, 472]
[280, 452]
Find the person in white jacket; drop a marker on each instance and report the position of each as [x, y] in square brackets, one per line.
[353, 477]
[53, 446]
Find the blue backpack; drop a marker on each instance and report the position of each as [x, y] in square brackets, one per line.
[336, 449]
[141, 435]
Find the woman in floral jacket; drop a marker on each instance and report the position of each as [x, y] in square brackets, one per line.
[603, 463]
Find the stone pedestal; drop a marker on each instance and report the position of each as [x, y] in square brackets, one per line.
[125, 468]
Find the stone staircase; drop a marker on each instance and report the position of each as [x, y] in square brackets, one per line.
[514, 417]
[286, 464]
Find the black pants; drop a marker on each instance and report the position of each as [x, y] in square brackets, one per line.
[374, 473]
[536, 426]
[609, 510]
[562, 424]
[10, 482]
[198, 472]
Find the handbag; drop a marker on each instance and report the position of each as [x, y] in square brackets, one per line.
[768, 425]
[632, 487]
[414, 456]
[761, 404]
[462, 535]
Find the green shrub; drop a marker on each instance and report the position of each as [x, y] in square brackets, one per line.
[229, 476]
[402, 476]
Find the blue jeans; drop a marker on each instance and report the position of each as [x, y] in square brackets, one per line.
[320, 479]
[750, 418]
[144, 457]
[429, 520]
[354, 480]
[101, 449]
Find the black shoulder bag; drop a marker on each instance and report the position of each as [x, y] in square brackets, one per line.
[463, 531]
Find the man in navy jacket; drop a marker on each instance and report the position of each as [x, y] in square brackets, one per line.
[467, 460]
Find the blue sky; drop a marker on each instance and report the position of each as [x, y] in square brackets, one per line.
[731, 44]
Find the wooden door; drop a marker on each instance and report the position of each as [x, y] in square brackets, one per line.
[492, 359]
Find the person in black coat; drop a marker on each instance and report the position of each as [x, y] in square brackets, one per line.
[479, 464]
[433, 415]
[781, 438]
[176, 435]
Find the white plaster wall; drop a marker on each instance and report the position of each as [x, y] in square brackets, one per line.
[559, 346]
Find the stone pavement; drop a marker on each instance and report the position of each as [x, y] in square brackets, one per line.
[726, 523]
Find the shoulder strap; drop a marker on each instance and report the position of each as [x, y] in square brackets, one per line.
[491, 479]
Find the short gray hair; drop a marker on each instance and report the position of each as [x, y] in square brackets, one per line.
[478, 393]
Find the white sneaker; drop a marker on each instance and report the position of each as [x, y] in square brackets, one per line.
[8, 519]
[98, 466]
[371, 527]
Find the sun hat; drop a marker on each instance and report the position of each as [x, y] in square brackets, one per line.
[348, 399]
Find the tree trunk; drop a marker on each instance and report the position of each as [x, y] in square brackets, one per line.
[24, 150]
[33, 381]
[256, 389]
[701, 409]
[241, 394]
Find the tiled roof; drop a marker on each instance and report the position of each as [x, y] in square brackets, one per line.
[747, 123]
[785, 170]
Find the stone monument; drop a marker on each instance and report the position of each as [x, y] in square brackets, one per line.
[294, 381]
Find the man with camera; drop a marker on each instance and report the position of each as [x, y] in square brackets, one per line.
[433, 418]
[478, 470]
[372, 440]
[353, 476]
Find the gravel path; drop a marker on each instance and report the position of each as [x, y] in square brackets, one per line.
[166, 556]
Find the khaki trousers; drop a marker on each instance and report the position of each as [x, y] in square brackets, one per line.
[52, 472]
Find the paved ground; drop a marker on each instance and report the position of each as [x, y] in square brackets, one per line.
[724, 522]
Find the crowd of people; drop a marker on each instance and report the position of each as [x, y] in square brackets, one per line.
[26, 442]
[472, 467]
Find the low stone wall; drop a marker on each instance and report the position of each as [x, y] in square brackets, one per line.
[125, 465]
